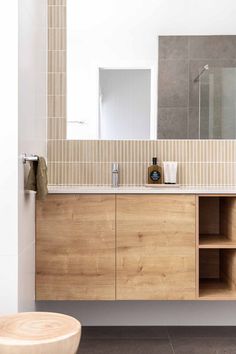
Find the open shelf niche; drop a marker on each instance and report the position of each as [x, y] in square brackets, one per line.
[217, 248]
[217, 271]
[217, 222]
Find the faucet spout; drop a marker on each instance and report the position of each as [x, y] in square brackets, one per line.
[115, 175]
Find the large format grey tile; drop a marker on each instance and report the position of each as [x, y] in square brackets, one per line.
[212, 47]
[125, 332]
[226, 345]
[194, 346]
[210, 345]
[113, 346]
[228, 115]
[195, 126]
[173, 47]
[172, 123]
[202, 331]
[193, 123]
[194, 67]
[204, 94]
[173, 83]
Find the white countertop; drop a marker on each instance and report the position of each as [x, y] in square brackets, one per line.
[141, 190]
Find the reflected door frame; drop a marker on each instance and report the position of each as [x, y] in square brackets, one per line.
[153, 97]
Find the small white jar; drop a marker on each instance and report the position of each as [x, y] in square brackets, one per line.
[170, 172]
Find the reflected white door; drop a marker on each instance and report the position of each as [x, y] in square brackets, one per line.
[125, 103]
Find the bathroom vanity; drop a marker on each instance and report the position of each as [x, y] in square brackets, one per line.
[98, 243]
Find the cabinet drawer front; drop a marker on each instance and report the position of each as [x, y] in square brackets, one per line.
[156, 247]
[75, 248]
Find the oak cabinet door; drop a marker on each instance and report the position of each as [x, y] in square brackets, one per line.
[155, 247]
[75, 247]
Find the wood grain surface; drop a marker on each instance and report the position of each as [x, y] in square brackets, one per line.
[75, 247]
[156, 247]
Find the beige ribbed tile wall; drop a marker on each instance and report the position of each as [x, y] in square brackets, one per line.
[200, 162]
[56, 69]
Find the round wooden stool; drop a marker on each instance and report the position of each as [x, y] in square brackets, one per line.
[39, 333]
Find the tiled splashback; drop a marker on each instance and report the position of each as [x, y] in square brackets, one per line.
[205, 162]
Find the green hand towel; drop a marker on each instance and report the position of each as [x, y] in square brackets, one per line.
[37, 178]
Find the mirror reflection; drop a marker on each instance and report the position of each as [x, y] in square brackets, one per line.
[196, 87]
[217, 103]
[114, 91]
[124, 104]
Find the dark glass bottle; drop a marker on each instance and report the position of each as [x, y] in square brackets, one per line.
[154, 173]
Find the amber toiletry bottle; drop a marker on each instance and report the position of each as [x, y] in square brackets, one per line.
[154, 173]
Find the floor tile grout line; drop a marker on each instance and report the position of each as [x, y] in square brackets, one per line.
[172, 347]
[170, 340]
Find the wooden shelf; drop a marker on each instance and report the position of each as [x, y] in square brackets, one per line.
[217, 248]
[215, 289]
[215, 241]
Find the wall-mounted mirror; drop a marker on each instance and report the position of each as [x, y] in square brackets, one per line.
[129, 82]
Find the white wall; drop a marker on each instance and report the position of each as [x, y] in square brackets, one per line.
[32, 133]
[17, 246]
[123, 33]
[146, 313]
[8, 166]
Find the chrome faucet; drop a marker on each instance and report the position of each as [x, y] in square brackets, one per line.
[115, 175]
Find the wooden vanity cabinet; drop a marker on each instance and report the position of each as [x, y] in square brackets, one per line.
[75, 247]
[107, 247]
[155, 254]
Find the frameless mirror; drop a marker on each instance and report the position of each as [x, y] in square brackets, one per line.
[126, 107]
[184, 90]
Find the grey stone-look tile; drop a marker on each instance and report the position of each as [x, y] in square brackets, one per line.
[194, 67]
[173, 83]
[226, 345]
[177, 88]
[228, 128]
[206, 345]
[212, 47]
[113, 346]
[202, 331]
[193, 123]
[173, 47]
[194, 346]
[205, 131]
[172, 123]
[125, 332]
[204, 94]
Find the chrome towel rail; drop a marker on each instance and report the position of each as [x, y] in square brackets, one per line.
[30, 158]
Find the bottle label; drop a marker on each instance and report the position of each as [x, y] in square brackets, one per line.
[155, 176]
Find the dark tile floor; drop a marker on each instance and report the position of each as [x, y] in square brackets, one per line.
[158, 340]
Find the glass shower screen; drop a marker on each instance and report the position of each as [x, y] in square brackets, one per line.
[217, 103]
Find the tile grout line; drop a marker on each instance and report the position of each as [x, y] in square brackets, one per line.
[170, 340]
